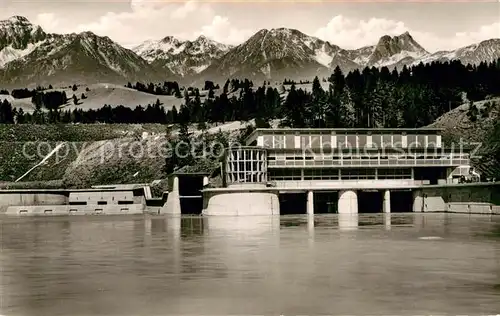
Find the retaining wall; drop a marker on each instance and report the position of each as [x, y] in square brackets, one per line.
[473, 208]
[473, 199]
[31, 198]
[59, 210]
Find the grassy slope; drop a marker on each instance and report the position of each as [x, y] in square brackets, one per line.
[36, 141]
[100, 94]
[114, 95]
[92, 154]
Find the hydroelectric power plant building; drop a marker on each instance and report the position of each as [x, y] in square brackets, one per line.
[283, 171]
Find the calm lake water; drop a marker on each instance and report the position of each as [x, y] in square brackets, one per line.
[366, 264]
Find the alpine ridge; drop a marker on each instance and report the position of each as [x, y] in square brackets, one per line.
[183, 58]
[18, 37]
[391, 50]
[275, 53]
[30, 56]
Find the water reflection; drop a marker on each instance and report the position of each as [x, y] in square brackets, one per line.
[348, 221]
[349, 264]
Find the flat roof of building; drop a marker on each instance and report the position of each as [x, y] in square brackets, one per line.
[347, 129]
[195, 173]
[341, 130]
[62, 191]
[131, 186]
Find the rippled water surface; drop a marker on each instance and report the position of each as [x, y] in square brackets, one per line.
[378, 264]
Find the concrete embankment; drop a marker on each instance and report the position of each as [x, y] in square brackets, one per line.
[472, 198]
[128, 199]
[62, 210]
[31, 197]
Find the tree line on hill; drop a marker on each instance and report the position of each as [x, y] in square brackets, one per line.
[172, 87]
[165, 88]
[29, 93]
[291, 81]
[412, 97]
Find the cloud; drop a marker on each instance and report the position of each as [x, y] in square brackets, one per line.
[485, 32]
[350, 33]
[47, 21]
[153, 19]
[184, 11]
[221, 30]
[145, 20]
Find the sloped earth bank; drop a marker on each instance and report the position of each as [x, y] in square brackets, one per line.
[482, 134]
[95, 154]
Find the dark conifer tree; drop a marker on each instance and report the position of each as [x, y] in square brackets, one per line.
[6, 112]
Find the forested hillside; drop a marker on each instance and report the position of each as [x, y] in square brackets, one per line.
[412, 97]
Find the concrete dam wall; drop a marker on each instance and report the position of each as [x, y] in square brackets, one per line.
[92, 201]
[59, 210]
[31, 197]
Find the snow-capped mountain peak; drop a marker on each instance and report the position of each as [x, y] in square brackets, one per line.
[151, 50]
[276, 52]
[17, 20]
[18, 37]
[488, 50]
[29, 54]
[162, 49]
[18, 32]
[390, 50]
[181, 57]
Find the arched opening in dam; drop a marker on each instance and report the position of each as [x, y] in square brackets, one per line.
[293, 203]
[370, 201]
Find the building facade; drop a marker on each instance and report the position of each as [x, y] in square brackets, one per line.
[344, 167]
[298, 157]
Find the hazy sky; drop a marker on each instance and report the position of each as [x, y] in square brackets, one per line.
[434, 24]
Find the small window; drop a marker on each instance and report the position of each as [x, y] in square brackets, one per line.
[125, 202]
[102, 202]
[78, 203]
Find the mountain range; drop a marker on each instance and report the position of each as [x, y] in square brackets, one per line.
[29, 55]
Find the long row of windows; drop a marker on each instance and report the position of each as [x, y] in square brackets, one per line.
[339, 174]
[305, 155]
[360, 162]
[349, 141]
